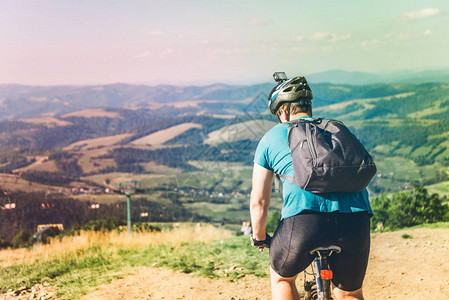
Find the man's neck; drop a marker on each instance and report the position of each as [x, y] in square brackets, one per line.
[283, 117]
[296, 116]
[300, 115]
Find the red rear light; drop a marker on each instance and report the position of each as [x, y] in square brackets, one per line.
[326, 274]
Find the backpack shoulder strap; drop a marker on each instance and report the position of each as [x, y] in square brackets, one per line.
[277, 180]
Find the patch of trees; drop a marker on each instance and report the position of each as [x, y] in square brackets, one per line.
[405, 209]
[80, 129]
[193, 136]
[426, 96]
[67, 163]
[128, 159]
[10, 126]
[11, 159]
[408, 135]
[140, 123]
[108, 224]
[18, 225]
[326, 94]
[33, 209]
[49, 178]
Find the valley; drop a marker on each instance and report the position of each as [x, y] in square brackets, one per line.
[198, 158]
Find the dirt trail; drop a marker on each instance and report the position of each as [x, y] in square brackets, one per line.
[399, 268]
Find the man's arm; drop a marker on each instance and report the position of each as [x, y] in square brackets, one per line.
[260, 201]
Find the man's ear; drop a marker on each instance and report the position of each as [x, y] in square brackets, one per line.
[282, 113]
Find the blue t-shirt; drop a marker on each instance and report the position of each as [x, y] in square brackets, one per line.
[273, 153]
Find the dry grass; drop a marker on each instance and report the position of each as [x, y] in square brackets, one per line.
[89, 113]
[252, 130]
[184, 233]
[41, 164]
[162, 136]
[155, 168]
[49, 121]
[12, 182]
[183, 104]
[97, 142]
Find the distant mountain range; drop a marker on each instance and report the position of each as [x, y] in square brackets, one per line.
[362, 78]
[21, 101]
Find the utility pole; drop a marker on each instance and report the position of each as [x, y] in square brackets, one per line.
[128, 213]
[127, 189]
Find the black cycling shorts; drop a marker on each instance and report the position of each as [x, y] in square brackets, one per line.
[296, 236]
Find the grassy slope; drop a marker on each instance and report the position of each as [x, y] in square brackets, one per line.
[84, 262]
[92, 259]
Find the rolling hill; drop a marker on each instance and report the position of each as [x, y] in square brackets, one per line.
[192, 148]
[401, 120]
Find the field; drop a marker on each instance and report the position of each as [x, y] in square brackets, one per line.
[195, 262]
[441, 188]
[251, 130]
[165, 135]
[15, 183]
[49, 121]
[98, 142]
[95, 112]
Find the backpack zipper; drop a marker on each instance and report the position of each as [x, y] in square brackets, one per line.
[312, 144]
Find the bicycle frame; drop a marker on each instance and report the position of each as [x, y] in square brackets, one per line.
[322, 274]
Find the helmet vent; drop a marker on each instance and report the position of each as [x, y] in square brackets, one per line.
[299, 80]
[300, 88]
[288, 89]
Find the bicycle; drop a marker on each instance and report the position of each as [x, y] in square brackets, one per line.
[320, 287]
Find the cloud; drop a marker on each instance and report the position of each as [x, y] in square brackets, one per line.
[336, 38]
[228, 51]
[318, 36]
[372, 42]
[144, 54]
[259, 22]
[167, 52]
[156, 32]
[330, 37]
[403, 36]
[424, 13]
[162, 54]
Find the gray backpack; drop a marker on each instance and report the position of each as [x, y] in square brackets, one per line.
[327, 157]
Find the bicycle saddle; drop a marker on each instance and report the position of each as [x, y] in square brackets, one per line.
[326, 251]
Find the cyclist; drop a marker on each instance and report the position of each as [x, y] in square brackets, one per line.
[308, 220]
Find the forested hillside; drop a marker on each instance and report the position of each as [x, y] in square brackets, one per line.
[202, 171]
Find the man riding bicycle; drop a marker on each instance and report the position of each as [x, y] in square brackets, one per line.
[309, 220]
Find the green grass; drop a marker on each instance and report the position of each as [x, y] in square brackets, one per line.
[423, 150]
[74, 274]
[404, 150]
[384, 149]
[406, 235]
[397, 167]
[441, 188]
[428, 171]
[71, 274]
[432, 225]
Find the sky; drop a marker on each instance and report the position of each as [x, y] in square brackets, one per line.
[199, 42]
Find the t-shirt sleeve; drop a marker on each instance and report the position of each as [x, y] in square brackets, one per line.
[261, 156]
